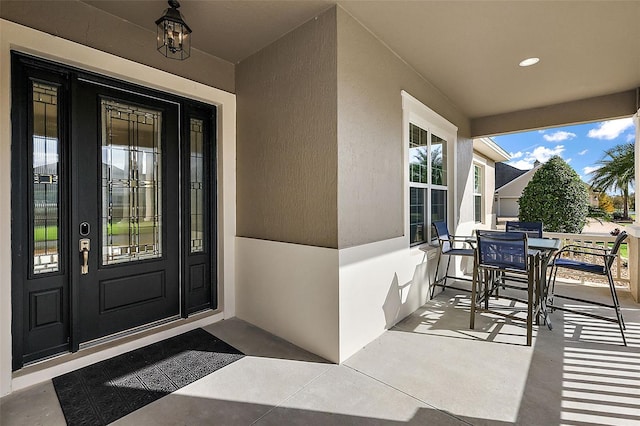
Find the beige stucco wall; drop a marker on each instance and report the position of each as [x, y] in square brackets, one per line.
[370, 146]
[87, 25]
[287, 151]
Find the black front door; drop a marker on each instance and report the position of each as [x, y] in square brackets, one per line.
[124, 215]
[113, 208]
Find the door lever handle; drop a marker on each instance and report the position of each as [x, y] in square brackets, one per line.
[85, 246]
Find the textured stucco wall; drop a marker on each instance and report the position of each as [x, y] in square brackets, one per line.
[464, 180]
[370, 146]
[84, 24]
[286, 141]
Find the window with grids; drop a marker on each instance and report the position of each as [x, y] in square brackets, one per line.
[478, 184]
[428, 192]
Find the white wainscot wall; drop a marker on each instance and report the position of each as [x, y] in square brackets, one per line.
[330, 302]
[380, 284]
[290, 290]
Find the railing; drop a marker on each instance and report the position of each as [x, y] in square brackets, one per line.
[619, 269]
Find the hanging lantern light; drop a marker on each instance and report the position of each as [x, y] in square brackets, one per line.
[174, 40]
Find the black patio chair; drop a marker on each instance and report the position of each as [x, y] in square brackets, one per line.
[532, 229]
[450, 245]
[498, 253]
[603, 268]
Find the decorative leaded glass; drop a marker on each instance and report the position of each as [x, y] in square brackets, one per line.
[46, 172]
[196, 185]
[131, 183]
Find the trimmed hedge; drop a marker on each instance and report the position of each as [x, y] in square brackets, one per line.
[557, 197]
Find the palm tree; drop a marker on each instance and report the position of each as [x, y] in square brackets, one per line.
[616, 172]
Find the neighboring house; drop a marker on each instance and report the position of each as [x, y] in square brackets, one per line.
[506, 173]
[594, 196]
[487, 156]
[513, 183]
[293, 201]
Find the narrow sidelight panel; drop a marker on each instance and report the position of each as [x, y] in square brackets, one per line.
[46, 172]
[131, 183]
[197, 185]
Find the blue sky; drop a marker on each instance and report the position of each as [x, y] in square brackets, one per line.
[582, 145]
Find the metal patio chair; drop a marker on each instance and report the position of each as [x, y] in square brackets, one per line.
[606, 257]
[532, 229]
[498, 253]
[450, 245]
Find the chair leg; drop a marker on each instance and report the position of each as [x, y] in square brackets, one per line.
[530, 285]
[446, 274]
[474, 283]
[616, 306]
[552, 278]
[487, 293]
[435, 276]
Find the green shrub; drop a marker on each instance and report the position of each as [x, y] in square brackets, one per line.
[556, 197]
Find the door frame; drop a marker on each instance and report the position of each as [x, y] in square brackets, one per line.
[20, 204]
[28, 40]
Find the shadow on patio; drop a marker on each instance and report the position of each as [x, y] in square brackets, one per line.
[428, 369]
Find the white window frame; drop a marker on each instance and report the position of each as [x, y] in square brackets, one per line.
[480, 194]
[415, 112]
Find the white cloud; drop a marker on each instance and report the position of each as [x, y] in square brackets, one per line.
[587, 170]
[559, 136]
[568, 160]
[541, 154]
[515, 155]
[583, 152]
[522, 164]
[631, 137]
[610, 130]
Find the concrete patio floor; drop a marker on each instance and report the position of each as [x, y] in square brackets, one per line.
[429, 369]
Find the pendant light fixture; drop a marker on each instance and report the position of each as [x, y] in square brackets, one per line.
[174, 39]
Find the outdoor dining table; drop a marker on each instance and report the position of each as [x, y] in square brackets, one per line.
[547, 247]
[544, 248]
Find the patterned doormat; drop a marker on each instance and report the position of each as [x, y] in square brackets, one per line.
[106, 391]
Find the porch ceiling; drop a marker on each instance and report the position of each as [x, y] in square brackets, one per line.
[469, 50]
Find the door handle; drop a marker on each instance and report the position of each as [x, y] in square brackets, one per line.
[85, 246]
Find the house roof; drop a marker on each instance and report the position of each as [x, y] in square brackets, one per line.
[469, 50]
[490, 149]
[506, 173]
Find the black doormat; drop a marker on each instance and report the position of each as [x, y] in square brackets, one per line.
[106, 391]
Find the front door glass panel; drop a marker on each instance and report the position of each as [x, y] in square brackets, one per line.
[46, 172]
[131, 183]
[196, 193]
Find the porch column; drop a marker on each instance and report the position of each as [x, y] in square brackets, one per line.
[634, 230]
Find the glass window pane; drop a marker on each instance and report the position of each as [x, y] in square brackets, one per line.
[418, 154]
[438, 160]
[131, 183]
[417, 230]
[438, 205]
[197, 186]
[477, 179]
[46, 173]
[477, 209]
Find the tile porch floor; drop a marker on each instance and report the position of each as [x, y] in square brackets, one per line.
[430, 369]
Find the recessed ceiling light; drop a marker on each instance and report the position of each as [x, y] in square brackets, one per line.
[528, 62]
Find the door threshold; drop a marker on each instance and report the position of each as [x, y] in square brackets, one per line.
[49, 368]
[129, 332]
